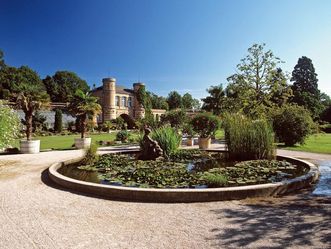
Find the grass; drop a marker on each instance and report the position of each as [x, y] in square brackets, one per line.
[317, 143]
[58, 142]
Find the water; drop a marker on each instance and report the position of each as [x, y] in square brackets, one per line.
[323, 187]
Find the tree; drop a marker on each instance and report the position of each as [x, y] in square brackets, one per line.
[58, 121]
[9, 126]
[176, 118]
[305, 87]
[254, 83]
[174, 100]
[85, 107]
[187, 101]
[215, 101]
[196, 105]
[63, 85]
[158, 102]
[30, 95]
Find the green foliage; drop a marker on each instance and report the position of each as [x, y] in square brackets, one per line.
[176, 118]
[188, 102]
[326, 114]
[215, 102]
[248, 139]
[29, 94]
[174, 100]
[168, 139]
[91, 155]
[84, 106]
[205, 124]
[58, 126]
[188, 130]
[258, 82]
[305, 87]
[292, 124]
[214, 180]
[63, 85]
[157, 102]
[123, 136]
[9, 126]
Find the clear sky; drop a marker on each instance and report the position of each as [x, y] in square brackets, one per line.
[183, 45]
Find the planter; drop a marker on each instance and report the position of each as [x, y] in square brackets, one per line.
[190, 141]
[83, 143]
[204, 143]
[30, 146]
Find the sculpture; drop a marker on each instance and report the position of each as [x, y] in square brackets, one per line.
[150, 149]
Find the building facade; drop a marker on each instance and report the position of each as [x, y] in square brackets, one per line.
[120, 101]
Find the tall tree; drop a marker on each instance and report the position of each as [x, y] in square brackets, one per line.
[30, 95]
[215, 101]
[85, 107]
[305, 87]
[254, 83]
[187, 101]
[63, 85]
[174, 100]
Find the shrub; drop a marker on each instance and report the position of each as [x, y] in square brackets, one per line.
[205, 124]
[168, 139]
[248, 139]
[122, 136]
[91, 155]
[188, 130]
[58, 121]
[9, 126]
[292, 124]
[176, 118]
[214, 180]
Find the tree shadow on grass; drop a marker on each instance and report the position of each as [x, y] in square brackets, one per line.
[292, 221]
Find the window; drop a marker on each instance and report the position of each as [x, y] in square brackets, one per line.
[130, 102]
[123, 101]
[117, 101]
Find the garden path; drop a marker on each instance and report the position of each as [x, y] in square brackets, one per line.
[35, 213]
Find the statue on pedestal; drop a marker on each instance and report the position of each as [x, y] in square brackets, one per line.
[150, 150]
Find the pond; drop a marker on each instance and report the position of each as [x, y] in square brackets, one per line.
[187, 169]
[323, 187]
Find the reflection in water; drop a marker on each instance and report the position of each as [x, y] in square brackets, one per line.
[323, 187]
[83, 175]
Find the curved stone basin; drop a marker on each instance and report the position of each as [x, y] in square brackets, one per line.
[187, 195]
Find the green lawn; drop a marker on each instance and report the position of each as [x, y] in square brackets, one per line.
[318, 143]
[58, 142]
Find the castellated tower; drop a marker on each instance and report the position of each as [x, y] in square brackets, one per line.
[138, 109]
[108, 95]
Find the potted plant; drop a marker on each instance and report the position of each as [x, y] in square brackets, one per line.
[84, 106]
[205, 124]
[30, 96]
[188, 130]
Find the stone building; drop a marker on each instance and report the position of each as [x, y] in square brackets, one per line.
[120, 101]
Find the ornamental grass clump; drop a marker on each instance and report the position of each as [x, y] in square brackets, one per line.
[168, 139]
[248, 139]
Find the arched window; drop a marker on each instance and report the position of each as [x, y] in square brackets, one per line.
[123, 101]
[117, 101]
[129, 102]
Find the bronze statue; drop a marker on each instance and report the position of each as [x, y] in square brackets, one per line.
[150, 150]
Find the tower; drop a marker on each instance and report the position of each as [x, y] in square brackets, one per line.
[139, 111]
[109, 92]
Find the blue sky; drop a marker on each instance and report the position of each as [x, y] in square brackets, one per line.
[170, 45]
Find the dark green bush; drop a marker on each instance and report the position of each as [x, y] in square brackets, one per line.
[248, 139]
[205, 124]
[292, 124]
[58, 126]
[122, 136]
[168, 139]
[176, 118]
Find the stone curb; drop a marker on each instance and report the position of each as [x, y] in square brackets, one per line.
[187, 195]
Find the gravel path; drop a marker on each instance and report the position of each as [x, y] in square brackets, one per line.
[34, 213]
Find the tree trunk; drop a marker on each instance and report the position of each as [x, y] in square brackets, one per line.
[28, 120]
[83, 125]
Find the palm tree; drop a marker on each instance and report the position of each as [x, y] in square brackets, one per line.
[84, 106]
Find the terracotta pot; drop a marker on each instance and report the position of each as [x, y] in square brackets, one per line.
[83, 143]
[204, 143]
[190, 141]
[30, 146]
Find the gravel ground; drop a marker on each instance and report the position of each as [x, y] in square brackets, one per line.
[34, 213]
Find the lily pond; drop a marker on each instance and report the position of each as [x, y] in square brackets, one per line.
[185, 169]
